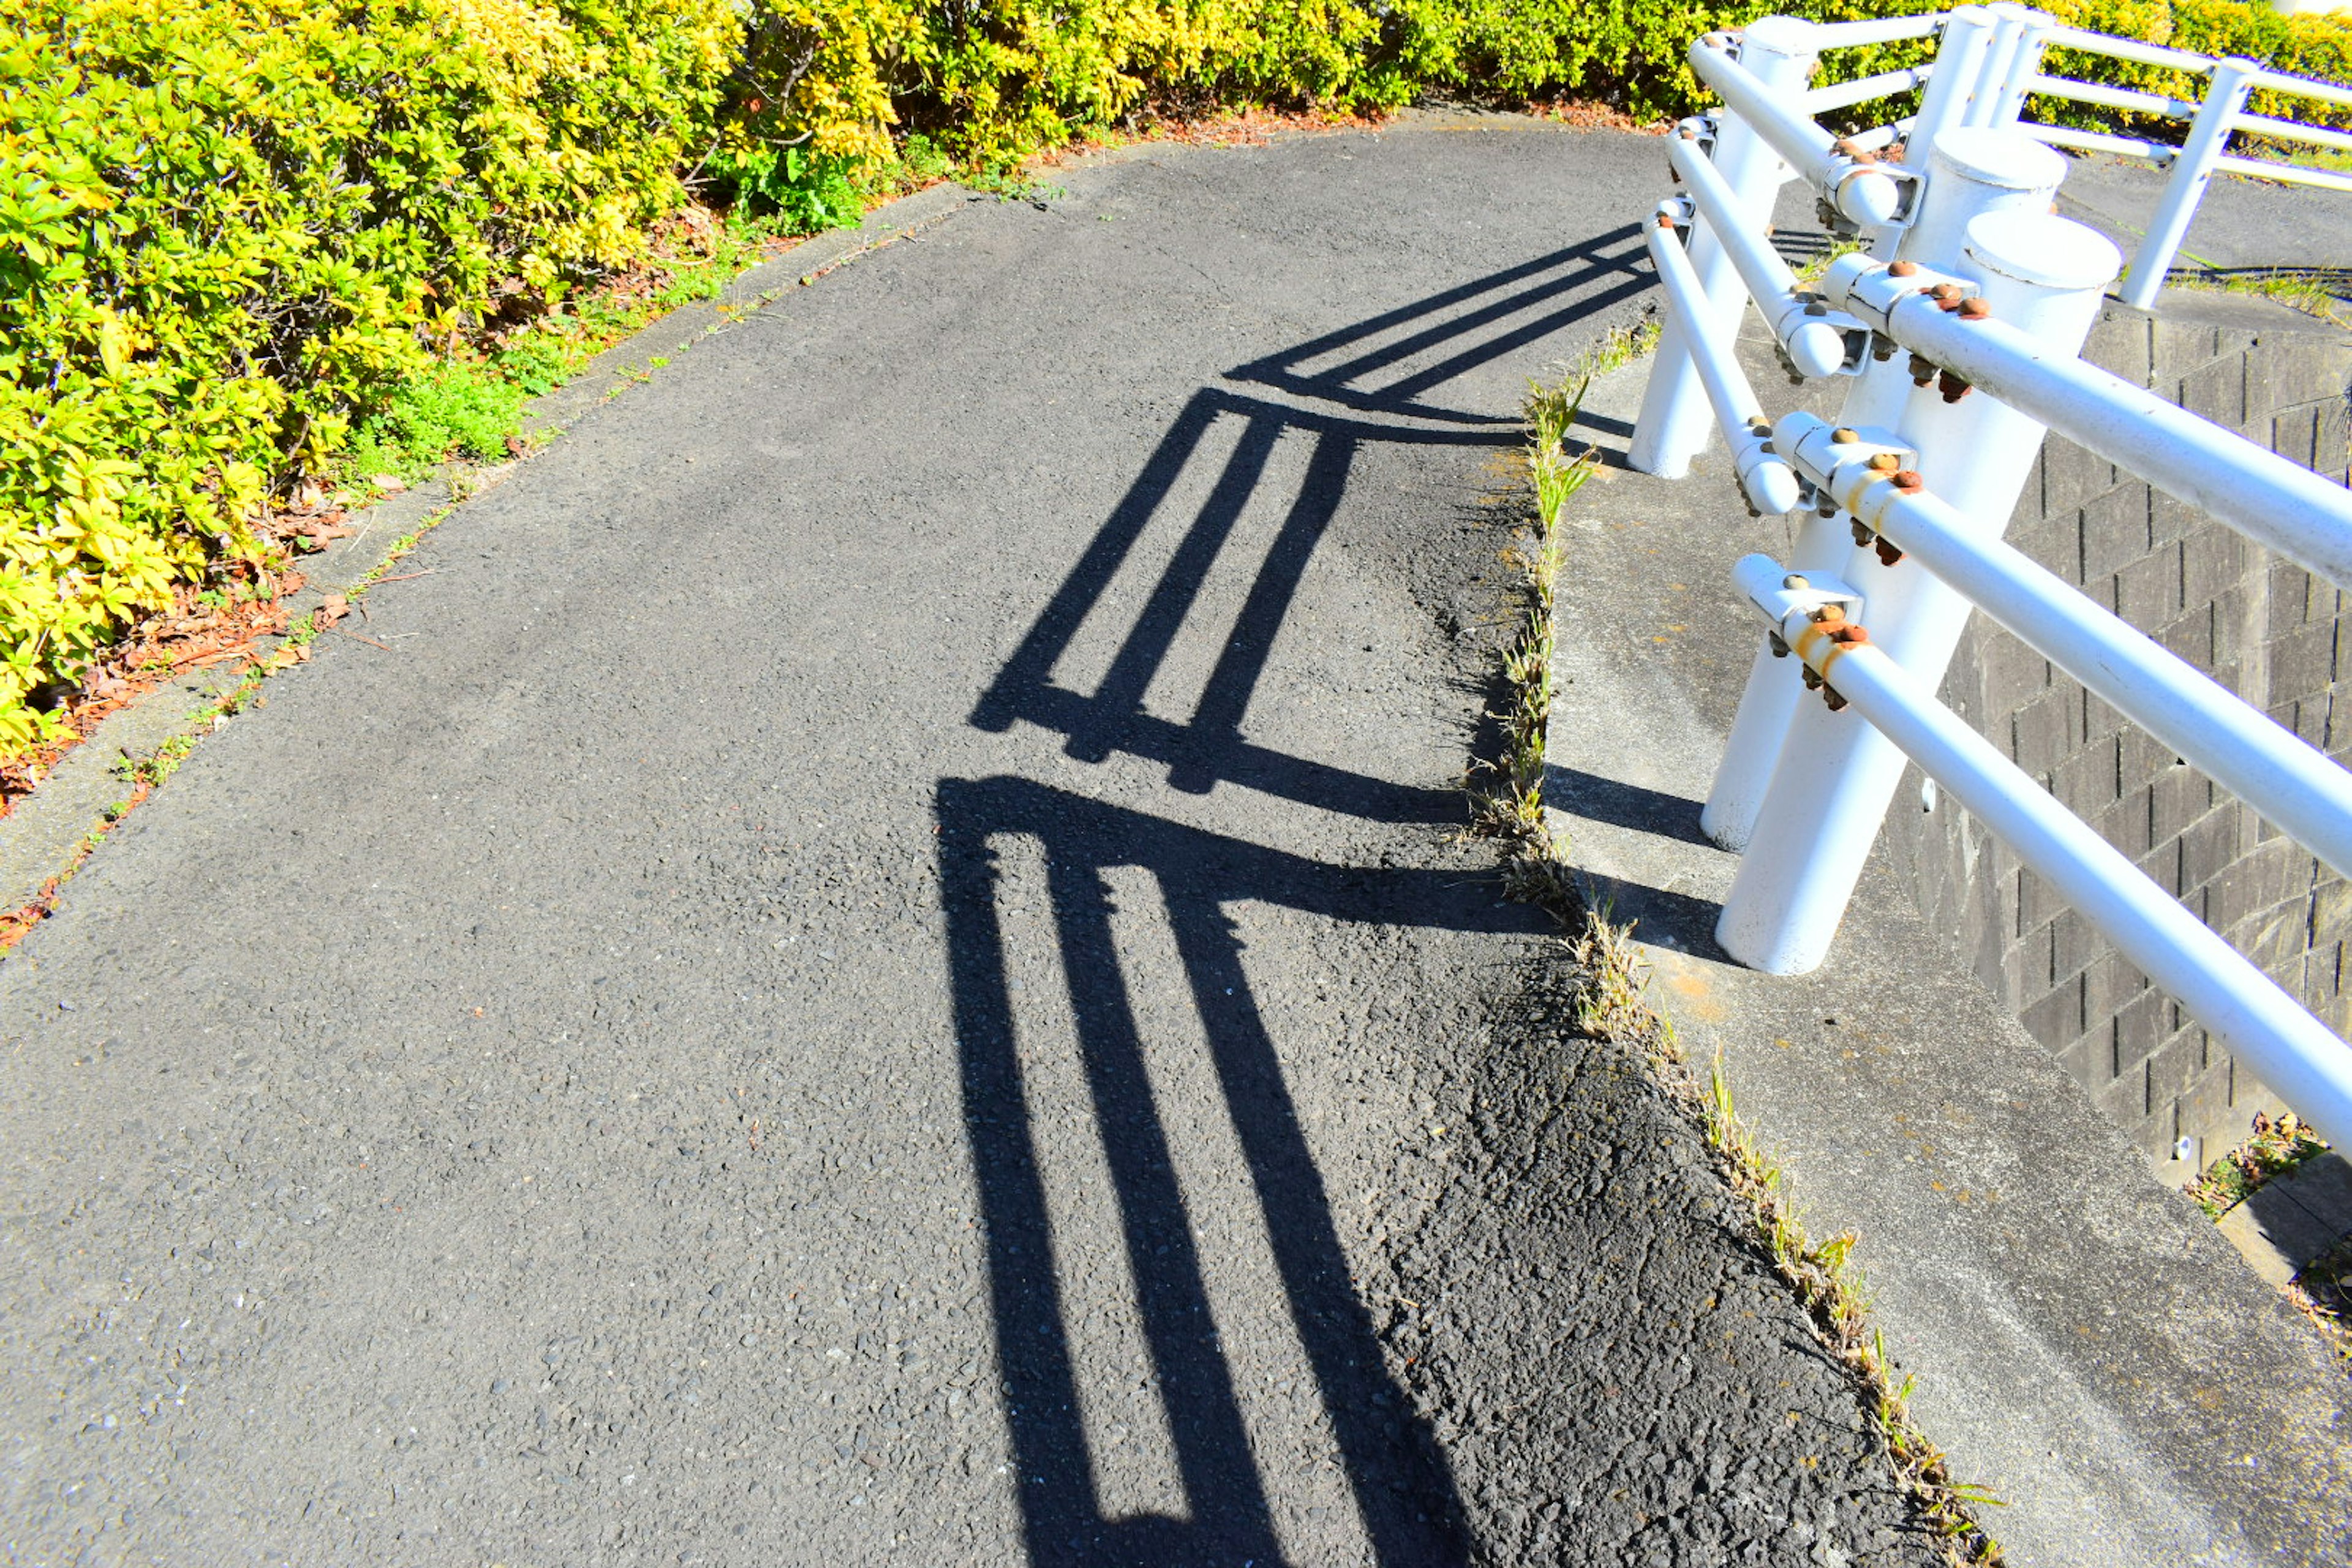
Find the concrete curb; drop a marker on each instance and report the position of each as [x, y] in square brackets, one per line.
[38, 840]
[2087, 1343]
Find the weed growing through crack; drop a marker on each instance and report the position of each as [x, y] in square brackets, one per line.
[1511, 806]
[2275, 1149]
[1611, 1003]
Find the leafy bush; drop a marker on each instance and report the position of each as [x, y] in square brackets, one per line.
[238, 236]
[228, 226]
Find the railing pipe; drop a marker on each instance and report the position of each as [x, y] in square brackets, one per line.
[2155, 153]
[1960, 57]
[2292, 131]
[2303, 792]
[2128, 50]
[1869, 193]
[1769, 483]
[1971, 173]
[2243, 1008]
[2301, 86]
[1833, 779]
[1672, 425]
[2208, 138]
[2125, 97]
[1863, 88]
[2277, 502]
[1815, 343]
[2285, 174]
[1878, 30]
[2024, 63]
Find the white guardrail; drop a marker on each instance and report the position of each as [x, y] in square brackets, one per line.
[1968, 284]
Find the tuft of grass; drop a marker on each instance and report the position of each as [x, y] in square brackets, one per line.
[2323, 1293]
[1510, 804]
[2324, 294]
[458, 408]
[2275, 1149]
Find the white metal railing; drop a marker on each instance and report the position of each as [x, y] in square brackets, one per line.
[1959, 327]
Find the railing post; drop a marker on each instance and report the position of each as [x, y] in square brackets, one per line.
[2209, 138]
[1835, 775]
[1971, 172]
[1674, 421]
[2020, 65]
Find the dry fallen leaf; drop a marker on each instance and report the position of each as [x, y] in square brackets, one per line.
[332, 608]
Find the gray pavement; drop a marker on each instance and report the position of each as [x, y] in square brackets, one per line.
[880, 967]
[2087, 1343]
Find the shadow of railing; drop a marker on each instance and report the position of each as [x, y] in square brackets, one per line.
[1401, 1485]
[1415, 348]
[1262, 462]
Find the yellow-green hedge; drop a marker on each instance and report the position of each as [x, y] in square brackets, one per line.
[227, 224]
[229, 228]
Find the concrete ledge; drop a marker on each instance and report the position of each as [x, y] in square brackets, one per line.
[2086, 1343]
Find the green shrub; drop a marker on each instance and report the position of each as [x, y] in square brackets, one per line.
[239, 237]
[228, 226]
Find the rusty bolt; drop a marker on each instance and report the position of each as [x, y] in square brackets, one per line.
[1777, 644]
[1665, 220]
[1830, 695]
[1922, 371]
[1903, 268]
[1828, 615]
[1909, 480]
[1886, 462]
[1861, 534]
[1844, 437]
[1952, 387]
[1812, 677]
[1974, 307]
[1887, 555]
[1690, 134]
[1851, 635]
[1945, 291]
[1881, 347]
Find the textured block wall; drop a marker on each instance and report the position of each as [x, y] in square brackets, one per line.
[2263, 627]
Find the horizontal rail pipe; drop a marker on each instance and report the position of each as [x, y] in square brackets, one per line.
[2155, 153]
[1876, 30]
[2128, 50]
[1817, 343]
[2047, 86]
[2262, 80]
[1863, 88]
[2294, 130]
[1871, 195]
[2278, 503]
[2302, 791]
[2292, 1052]
[2285, 174]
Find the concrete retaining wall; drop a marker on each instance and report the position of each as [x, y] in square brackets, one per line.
[2265, 629]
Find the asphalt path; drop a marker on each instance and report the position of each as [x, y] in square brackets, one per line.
[882, 967]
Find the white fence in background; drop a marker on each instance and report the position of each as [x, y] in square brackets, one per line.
[1960, 327]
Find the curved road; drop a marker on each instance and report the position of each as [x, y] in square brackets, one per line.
[881, 968]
